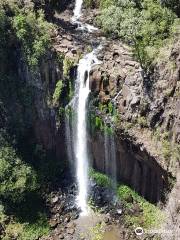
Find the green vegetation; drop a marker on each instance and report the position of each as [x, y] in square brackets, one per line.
[100, 178]
[22, 27]
[16, 177]
[57, 92]
[142, 24]
[97, 121]
[18, 195]
[166, 149]
[27, 231]
[170, 152]
[148, 215]
[96, 232]
[33, 32]
[68, 63]
[172, 4]
[25, 38]
[142, 121]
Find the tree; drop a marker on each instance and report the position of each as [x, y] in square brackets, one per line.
[34, 34]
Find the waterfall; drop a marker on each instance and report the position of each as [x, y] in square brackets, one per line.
[69, 137]
[77, 9]
[81, 151]
[110, 156]
[76, 129]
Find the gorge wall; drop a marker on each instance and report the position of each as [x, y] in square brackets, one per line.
[146, 133]
[142, 103]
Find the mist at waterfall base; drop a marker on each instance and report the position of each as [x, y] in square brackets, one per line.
[76, 129]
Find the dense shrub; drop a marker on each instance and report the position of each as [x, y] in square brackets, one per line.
[16, 177]
[34, 33]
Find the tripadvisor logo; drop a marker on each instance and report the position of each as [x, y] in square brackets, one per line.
[139, 231]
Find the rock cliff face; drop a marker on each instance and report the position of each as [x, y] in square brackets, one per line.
[148, 110]
[143, 103]
[134, 166]
[44, 116]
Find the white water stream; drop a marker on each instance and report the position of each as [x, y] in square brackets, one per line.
[77, 9]
[81, 151]
[76, 131]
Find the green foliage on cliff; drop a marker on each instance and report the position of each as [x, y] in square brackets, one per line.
[143, 25]
[33, 32]
[19, 196]
[68, 63]
[172, 4]
[57, 92]
[22, 27]
[25, 36]
[16, 177]
[100, 178]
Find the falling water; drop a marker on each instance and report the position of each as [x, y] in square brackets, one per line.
[110, 156]
[77, 14]
[76, 132]
[77, 9]
[81, 153]
[69, 134]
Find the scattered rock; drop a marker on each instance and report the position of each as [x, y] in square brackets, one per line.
[70, 231]
[106, 220]
[53, 223]
[71, 225]
[74, 51]
[67, 219]
[69, 38]
[55, 200]
[61, 236]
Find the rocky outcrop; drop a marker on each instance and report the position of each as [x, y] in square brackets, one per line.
[147, 105]
[43, 82]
